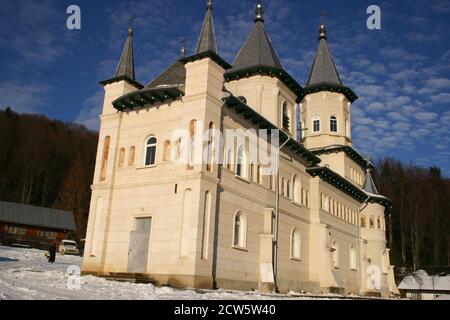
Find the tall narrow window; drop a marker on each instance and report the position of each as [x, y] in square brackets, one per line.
[241, 166]
[192, 133]
[353, 265]
[296, 190]
[363, 222]
[379, 223]
[167, 150]
[335, 249]
[106, 146]
[211, 148]
[150, 153]
[259, 174]
[240, 230]
[121, 157]
[372, 222]
[186, 224]
[131, 156]
[316, 124]
[295, 244]
[282, 187]
[333, 124]
[286, 117]
[288, 189]
[206, 223]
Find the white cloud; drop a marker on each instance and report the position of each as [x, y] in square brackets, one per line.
[23, 98]
[375, 107]
[92, 108]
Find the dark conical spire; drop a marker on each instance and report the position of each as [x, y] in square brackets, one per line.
[258, 50]
[369, 185]
[324, 70]
[126, 64]
[207, 40]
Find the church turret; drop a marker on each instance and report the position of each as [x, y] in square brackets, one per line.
[259, 77]
[124, 79]
[207, 40]
[326, 106]
[205, 62]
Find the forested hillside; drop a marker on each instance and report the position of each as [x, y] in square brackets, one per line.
[47, 163]
[421, 216]
[51, 164]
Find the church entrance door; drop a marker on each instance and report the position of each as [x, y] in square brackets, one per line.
[138, 254]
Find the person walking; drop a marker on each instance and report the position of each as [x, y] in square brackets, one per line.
[52, 253]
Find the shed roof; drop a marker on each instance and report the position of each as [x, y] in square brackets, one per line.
[36, 216]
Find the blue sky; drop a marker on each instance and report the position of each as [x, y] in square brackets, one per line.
[401, 73]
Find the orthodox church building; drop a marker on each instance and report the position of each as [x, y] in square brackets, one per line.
[313, 222]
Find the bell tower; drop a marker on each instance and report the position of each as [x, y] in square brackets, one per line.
[325, 110]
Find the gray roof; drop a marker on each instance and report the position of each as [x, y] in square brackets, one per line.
[323, 70]
[174, 75]
[369, 185]
[207, 40]
[36, 216]
[126, 64]
[257, 51]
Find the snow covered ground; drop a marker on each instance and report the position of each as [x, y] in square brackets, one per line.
[25, 274]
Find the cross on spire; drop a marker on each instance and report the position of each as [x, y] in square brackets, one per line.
[259, 12]
[130, 23]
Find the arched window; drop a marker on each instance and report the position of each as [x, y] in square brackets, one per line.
[241, 166]
[150, 153]
[353, 265]
[282, 186]
[333, 124]
[288, 189]
[286, 117]
[271, 181]
[372, 222]
[295, 244]
[296, 189]
[379, 223]
[240, 230]
[229, 159]
[335, 249]
[363, 222]
[106, 146]
[316, 124]
[121, 157]
[132, 156]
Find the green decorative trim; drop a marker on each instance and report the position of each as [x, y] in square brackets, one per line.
[207, 54]
[280, 74]
[248, 113]
[144, 97]
[339, 182]
[385, 202]
[122, 78]
[352, 153]
[346, 91]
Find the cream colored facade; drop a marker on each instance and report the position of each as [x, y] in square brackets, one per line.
[193, 209]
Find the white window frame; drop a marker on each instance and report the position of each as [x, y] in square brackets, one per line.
[147, 145]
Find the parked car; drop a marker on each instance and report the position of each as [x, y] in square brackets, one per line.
[68, 247]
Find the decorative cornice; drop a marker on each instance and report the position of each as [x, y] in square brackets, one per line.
[249, 114]
[346, 91]
[349, 151]
[122, 78]
[339, 182]
[207, 54]
[144, 97]
[280, 74]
